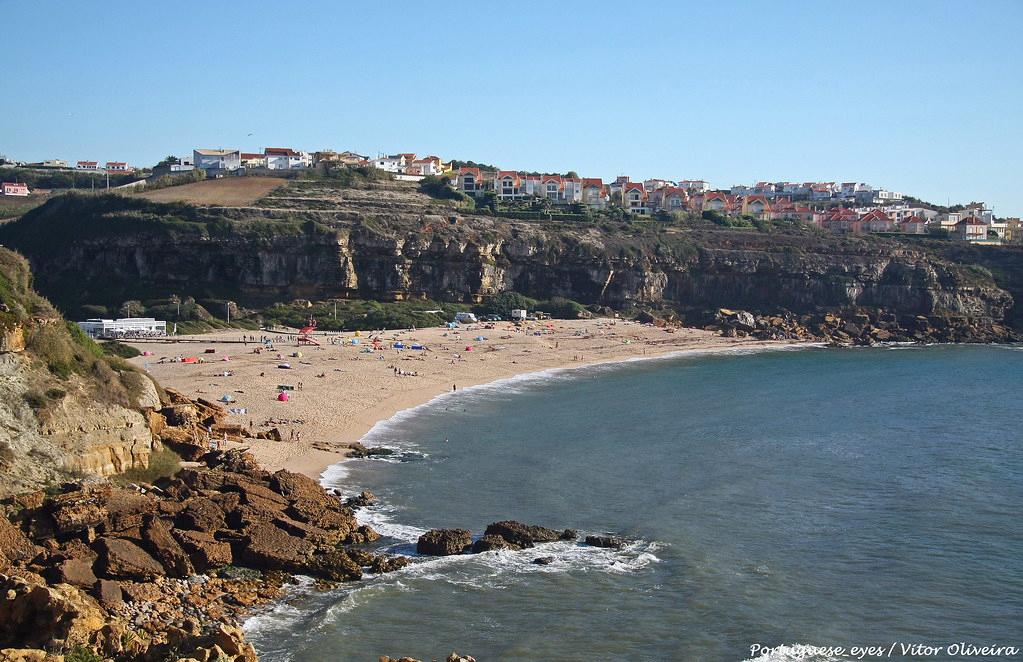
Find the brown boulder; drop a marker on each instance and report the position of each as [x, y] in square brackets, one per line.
[76, 511]
[201, 514]
[204, 550]
[443, 542]
[335, 565]
[14, 545]
[122, 559]
[76, 571]
[126, 510]
[273, 434]
[362, 535]
[294, 486]
[160, 542]
[40, 616]
[268, 547]
[108, 592]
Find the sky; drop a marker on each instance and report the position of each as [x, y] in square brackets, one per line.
[922, 97]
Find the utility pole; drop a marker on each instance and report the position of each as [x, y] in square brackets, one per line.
[228, 306]
[335, 310]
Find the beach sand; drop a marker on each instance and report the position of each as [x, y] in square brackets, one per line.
[341, 390]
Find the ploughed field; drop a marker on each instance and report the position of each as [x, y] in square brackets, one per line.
[227, 191]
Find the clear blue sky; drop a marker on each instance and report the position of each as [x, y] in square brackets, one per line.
[924, 97]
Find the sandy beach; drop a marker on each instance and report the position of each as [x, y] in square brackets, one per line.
[339, 390]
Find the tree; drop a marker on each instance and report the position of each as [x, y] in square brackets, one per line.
[169, 160]
[502, 304]
[572, 174]
[132, 308]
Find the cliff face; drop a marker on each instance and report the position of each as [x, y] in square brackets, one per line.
[65, 410]
[118, 249]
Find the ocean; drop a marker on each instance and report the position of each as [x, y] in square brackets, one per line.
[777, 499]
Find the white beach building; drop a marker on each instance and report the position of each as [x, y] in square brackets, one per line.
[126, 327]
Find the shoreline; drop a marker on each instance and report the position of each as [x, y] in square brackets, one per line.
[363, 393]
[753, 347]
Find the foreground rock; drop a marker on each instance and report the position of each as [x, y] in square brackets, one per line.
[114, 569]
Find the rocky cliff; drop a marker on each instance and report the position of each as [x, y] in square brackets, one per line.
[65, 408]
[109, 249]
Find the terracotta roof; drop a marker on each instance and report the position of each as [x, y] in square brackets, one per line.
[88, 162]
[280, 151]
[251, 155]
[973, 220]
[589, 182]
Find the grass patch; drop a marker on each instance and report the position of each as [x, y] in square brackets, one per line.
[162, 464]
[119, 349]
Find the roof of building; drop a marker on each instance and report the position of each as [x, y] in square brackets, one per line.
[251, 155]
[88, 162]
[216, 152]
[972, 220]
[590, 182]
[280, 151]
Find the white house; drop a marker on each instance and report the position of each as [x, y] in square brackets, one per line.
[971, 229]
[285, 158]
[394, 163]
[87, 165]
[118, 167]
[594, 195]
[217, 159]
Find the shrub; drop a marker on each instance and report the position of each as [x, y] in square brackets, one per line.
[34, 399]
[55, 393]
[162, 464]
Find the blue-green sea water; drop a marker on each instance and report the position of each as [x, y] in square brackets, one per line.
[813, 496]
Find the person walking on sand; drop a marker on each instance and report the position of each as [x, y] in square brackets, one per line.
[453, 388]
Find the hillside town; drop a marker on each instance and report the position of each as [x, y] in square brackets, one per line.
[840, 207]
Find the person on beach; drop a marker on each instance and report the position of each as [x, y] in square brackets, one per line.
[453, 388]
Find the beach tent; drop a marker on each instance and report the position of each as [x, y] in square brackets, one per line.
[355, 341]
[480, 338]
[227, 398]
[399, 345]
[283, 397]
[417, 347]
[285, 366]
[468, 348]
[452, 325]
[189, 359]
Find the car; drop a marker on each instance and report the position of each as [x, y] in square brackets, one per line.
[492, 318]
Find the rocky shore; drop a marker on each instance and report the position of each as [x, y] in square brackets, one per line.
[861, 327]
[165, 572]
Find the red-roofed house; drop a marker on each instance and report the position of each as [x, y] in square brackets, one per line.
[719, 202]
[470, 181]
[87, 165]
[15, 188]
[914, 225]
[876, 220]
[285, 158]
[756, 206]
[253, 160]
[669, 198]
[971, 229]
[508, 184]
[636, 198]
[842, 220]
[118, 167]
[594, 194]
